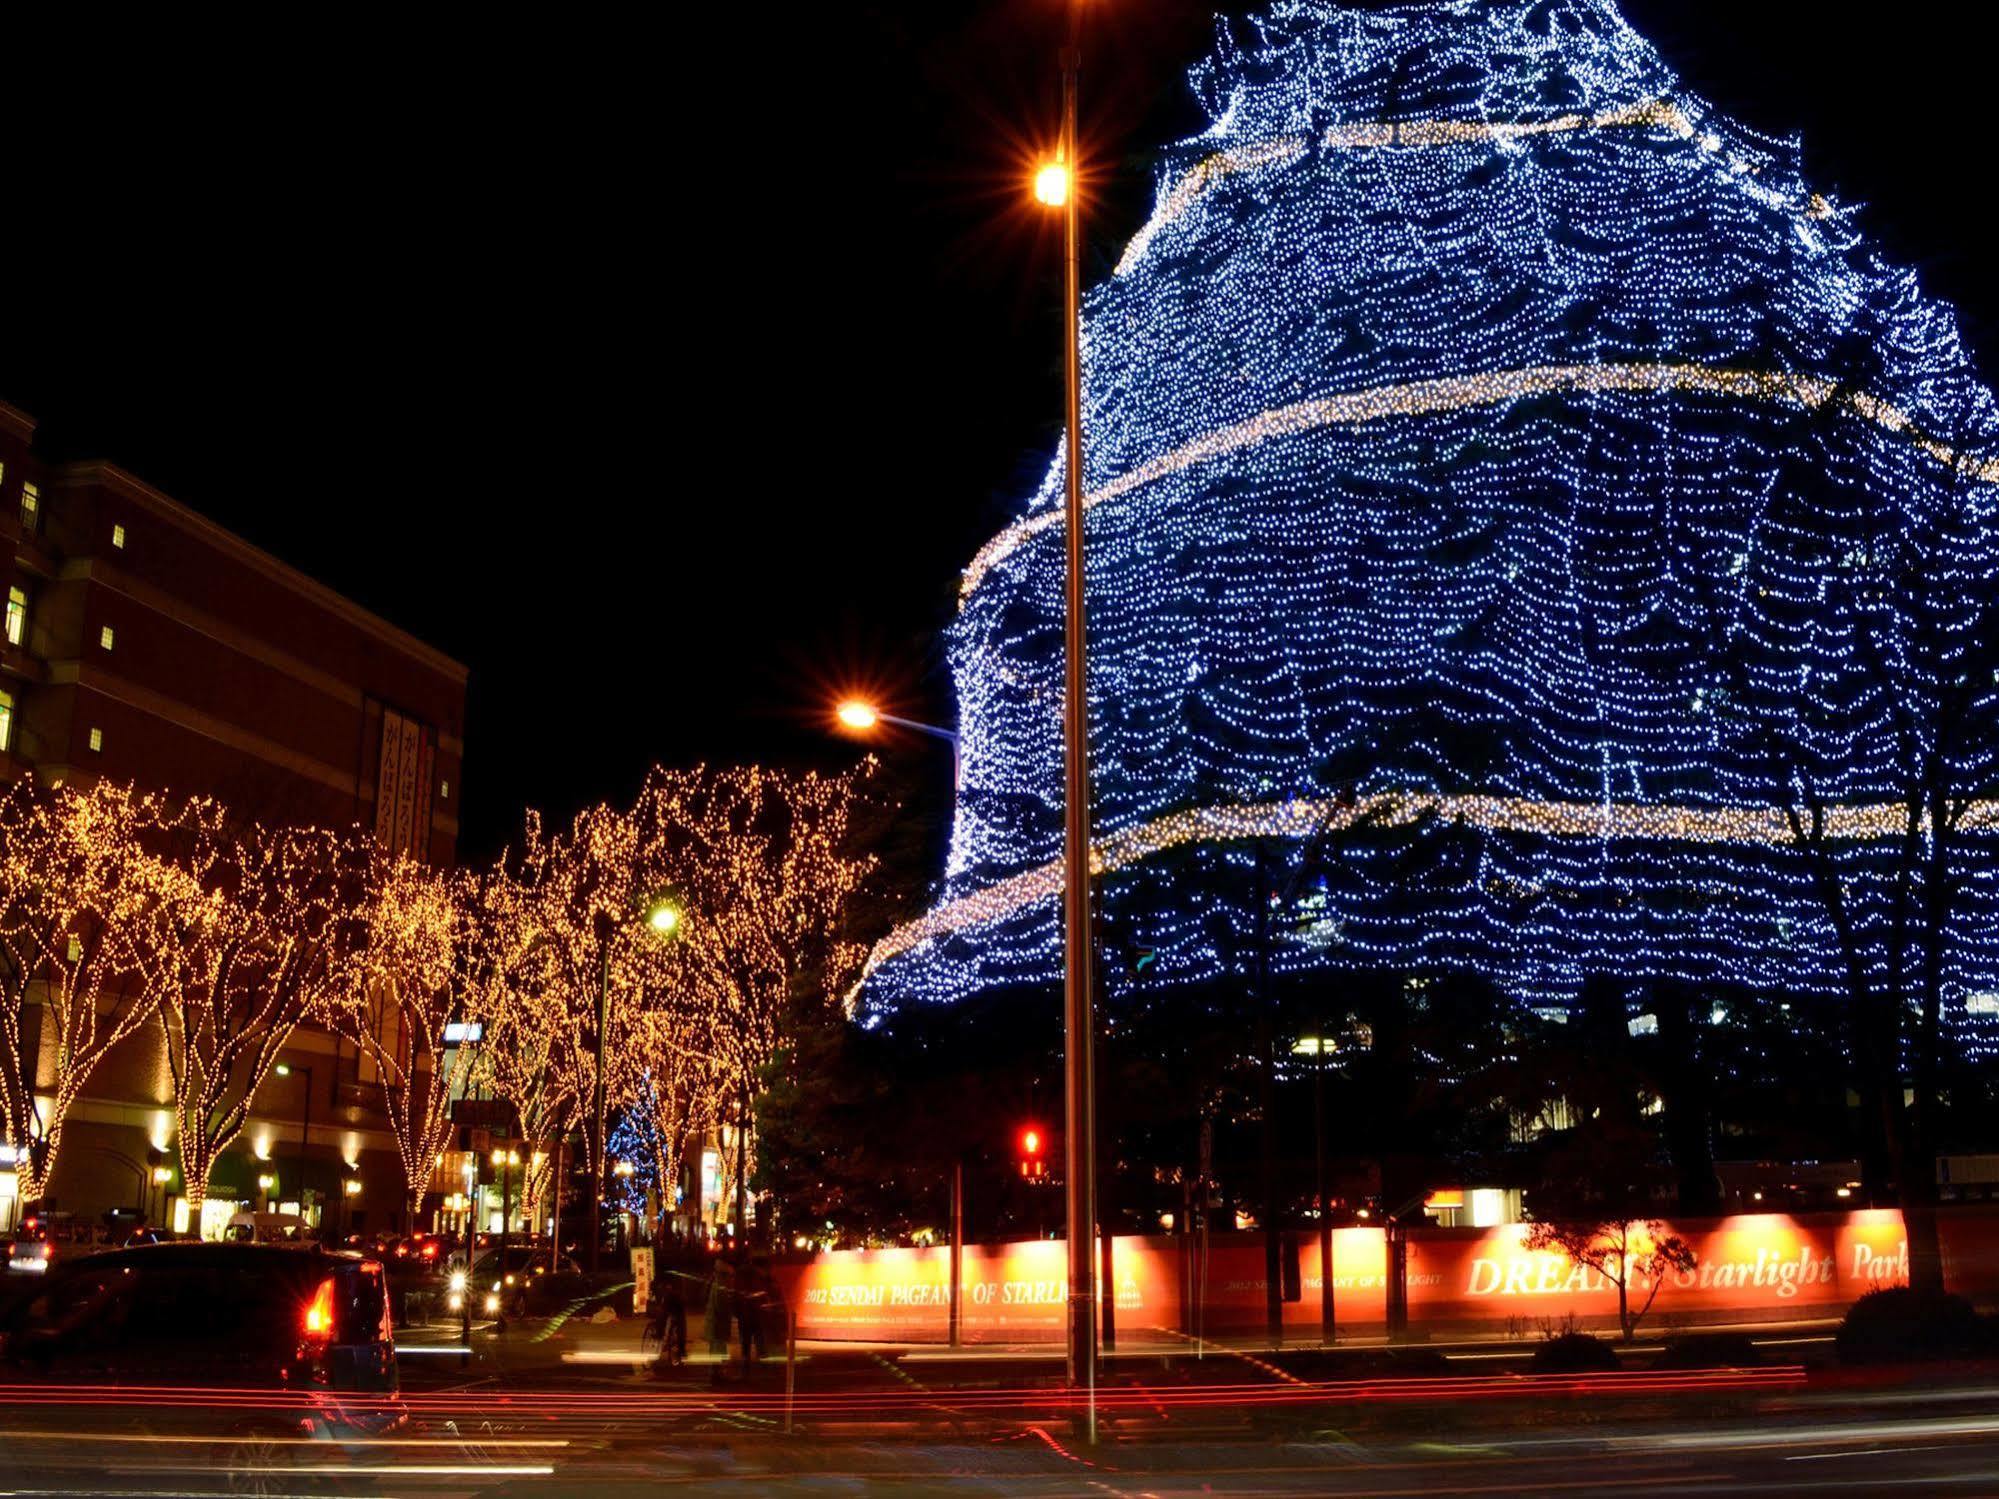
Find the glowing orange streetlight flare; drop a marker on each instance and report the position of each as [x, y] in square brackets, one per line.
[1051, 184]
[858, 715]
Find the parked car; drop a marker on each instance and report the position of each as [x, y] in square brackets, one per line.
[309, 1326]
[267, 1228]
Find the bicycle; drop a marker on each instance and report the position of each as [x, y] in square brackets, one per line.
[665, 1337]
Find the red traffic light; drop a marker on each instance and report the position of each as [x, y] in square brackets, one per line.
[1029, 1145]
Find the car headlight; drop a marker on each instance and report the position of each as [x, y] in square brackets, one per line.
[455, 1302]
[493, 1302]
[458, 1280]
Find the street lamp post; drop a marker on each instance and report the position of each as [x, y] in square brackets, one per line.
[662, 916]
[600, 1110]
[163, 1176]
[1059, 186]
[861, 716]
[506, 1160]
[285, 1069]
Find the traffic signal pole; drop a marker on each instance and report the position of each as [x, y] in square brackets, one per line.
[957, 1252]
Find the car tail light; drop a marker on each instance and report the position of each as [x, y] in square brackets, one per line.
[319, 1312]
[430, 1251]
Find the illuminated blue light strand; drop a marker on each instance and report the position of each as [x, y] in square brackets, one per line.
[1456, 371]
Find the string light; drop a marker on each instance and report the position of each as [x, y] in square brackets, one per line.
[400, 993]
[87, 915]
[262, 934]
[1449, 396]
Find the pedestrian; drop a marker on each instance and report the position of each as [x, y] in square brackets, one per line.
[719, 1298]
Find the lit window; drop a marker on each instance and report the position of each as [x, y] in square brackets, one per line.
[118, 537]
[17, 616]
[96, 739]
[444, 791]
[1984, 1003]
[31, 506]
[6, 721]
[107, 637]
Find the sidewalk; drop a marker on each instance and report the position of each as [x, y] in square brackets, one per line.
[543, 1351]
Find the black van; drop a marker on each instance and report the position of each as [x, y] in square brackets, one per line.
[307, 1322]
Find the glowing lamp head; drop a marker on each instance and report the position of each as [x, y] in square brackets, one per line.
[1030, 1142]
[1051, 184]
[663, 918]
[858, 715]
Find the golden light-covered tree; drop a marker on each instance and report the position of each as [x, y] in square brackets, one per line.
[512, 982]
[594, 907]
[678, 1085]
[264, 933]
[765, 869]
[400, 991]
[87, 912]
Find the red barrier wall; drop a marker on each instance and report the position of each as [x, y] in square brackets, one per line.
[1761, 1267]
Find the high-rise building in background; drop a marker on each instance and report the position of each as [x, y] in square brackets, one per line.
[144, 643]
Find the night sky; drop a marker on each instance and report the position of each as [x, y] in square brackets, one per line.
[667, 376]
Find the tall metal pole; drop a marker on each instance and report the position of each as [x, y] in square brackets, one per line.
[1328, 1326]
[506, 1208]
[957, 1252]
[304, 1135]
[598, 1112]
[1079, 1135]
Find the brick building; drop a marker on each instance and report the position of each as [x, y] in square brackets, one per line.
[145, 643]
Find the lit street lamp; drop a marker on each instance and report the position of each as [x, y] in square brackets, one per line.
[1056, 186]
[862, 717]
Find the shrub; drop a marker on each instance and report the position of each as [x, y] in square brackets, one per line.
[1574, 1353]
[1722, 1350]
[1900, 1325]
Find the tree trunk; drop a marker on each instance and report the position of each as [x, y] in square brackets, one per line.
[1684, 1082]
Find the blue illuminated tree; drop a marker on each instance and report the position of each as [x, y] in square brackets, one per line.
[1461, 391]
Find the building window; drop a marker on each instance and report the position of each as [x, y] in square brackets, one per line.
[107, 637]
[444, 791]
[6, 722]
[96, 740]
[17, 616]
[118, 537]
[31, 506]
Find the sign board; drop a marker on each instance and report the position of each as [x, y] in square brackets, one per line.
[1765, 1266]
[641, 1278]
